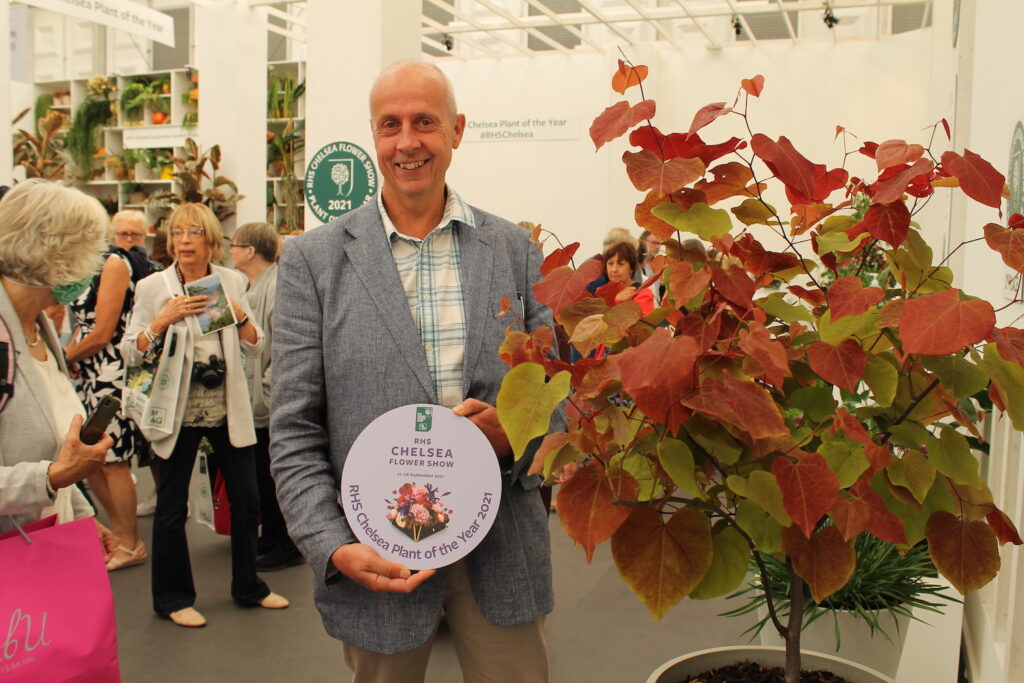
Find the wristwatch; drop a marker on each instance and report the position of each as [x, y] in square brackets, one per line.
[241, 323]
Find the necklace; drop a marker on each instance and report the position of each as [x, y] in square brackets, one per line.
[39, 338]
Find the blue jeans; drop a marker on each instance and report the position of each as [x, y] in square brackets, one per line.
[173, 588]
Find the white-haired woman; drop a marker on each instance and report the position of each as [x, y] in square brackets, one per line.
[101, 313]
[51, 244]
[212, 401]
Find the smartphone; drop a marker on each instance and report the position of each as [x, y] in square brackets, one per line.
[96, 423]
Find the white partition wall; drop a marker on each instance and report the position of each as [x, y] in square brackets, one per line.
[580, 194]
[348, 44]
[6, 155]
[231, 55]
[991, 106]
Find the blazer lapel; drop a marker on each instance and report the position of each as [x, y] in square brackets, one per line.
[476, 253]
[370, 256]
[30, 381]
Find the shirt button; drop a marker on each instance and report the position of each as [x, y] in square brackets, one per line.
[426, 297]
[428, 347]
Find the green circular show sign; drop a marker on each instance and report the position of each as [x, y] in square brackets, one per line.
[339, 178]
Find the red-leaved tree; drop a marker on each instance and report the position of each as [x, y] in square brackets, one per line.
[772, 404]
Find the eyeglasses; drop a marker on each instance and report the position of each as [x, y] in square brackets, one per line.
[238, 246]
[130, 235]
[195, 231]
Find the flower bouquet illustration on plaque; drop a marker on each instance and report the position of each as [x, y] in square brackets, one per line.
[417, 511]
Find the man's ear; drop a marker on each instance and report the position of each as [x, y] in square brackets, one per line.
[460, 128]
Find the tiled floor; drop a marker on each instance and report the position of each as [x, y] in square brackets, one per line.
[598, 633]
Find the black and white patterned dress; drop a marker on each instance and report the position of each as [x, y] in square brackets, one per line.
[103, 373]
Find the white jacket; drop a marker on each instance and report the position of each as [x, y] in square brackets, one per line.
[150, 296]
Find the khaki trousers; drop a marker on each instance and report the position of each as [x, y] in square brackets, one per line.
[487, 653]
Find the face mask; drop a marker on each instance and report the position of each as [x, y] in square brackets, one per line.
[65, 294]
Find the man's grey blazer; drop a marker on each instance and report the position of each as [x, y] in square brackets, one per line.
[345, 351]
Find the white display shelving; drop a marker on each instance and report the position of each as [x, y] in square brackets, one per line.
[277, 125]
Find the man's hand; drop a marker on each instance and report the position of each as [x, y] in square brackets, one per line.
[485, 416]
[365, 566]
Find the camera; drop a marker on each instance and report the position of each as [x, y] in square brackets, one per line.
[211, 374]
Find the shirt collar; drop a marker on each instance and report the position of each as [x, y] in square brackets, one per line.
[455, 210]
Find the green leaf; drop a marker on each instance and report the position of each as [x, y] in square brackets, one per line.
[712, 438]
[911, 435]
[776, 306]
[952, 456]
[845, 462]
[914, 519]
[1009, 380]
[882, 378]
[914, 472]
[761, 488]
[837, 222]
[676, 459]
[525, 403]
[701, 219]
[753, 211]
[840, 242]
[759, 525]
[728, 565]
[817, 403]
[957, 374]
[844, 328]
[642, 469]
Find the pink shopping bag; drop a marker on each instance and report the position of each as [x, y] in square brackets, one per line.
[56, 608]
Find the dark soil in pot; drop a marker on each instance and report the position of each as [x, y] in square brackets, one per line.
[754, 672]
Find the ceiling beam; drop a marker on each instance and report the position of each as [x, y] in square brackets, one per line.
[610, 17]
[571, 28]
[501, 12]
[438, 27]
[495, 31]
[656, 24]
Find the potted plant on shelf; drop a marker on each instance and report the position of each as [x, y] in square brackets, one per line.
[133, 101]
[286, 147]
[711, 432]
[283, 95]
[117, 166]
[133, 193]
[94, 112]
[198, 186]
[40, 154]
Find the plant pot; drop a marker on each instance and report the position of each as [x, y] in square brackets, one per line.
[137, 198]
[697, 662]
[167, 172]
[857, 643]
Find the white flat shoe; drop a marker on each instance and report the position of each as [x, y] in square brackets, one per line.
[274, 601]
[188, 617]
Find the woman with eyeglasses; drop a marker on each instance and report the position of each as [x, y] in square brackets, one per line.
[211, 400]
[101, 315]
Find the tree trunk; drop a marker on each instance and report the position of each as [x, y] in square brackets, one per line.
[793, 624]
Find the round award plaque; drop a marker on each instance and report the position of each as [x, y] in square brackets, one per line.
[421, 485]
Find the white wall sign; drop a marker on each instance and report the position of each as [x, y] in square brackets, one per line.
[156, 136]
[120, 14]
[517, 128]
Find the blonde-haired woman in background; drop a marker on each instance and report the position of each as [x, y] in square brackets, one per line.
[101, 315]
[212, 401]
[52, 240]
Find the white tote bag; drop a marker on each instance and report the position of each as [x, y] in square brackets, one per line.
[150, 394]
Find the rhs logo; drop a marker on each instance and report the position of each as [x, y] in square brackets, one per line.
[424, 418]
